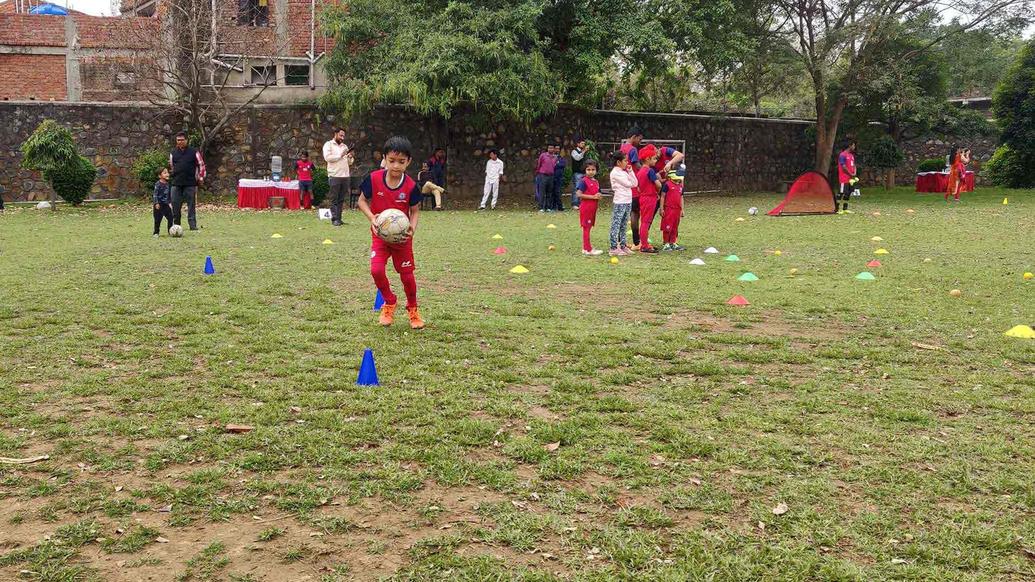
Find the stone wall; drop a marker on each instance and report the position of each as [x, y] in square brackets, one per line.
[732, 154]
[920, 149]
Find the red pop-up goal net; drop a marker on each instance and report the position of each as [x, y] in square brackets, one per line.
[810, 194]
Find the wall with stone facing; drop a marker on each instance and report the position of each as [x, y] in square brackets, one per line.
[733, 154]
[920, 149]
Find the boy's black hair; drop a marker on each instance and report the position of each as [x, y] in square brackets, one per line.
[182, 134]
[494, 152]
[617, 156]
[635, 130]
[591, 163]
[399, 145]
[338, 128]
[304, 154]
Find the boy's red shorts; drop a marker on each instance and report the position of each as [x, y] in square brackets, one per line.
[670, 217]
[401, 254]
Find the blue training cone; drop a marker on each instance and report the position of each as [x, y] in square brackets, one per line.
[367, 370]
[209, 269]
[379, 300]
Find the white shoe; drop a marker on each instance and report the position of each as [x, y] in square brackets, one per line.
[593, 253]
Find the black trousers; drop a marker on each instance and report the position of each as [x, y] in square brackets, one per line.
[163, 211]
[340, 188]
[188, 194]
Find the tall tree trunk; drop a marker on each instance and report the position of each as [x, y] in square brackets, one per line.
[827, 123]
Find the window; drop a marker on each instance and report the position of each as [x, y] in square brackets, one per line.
[296, 74]
[253, 12]
[125, 79]
[264, 75]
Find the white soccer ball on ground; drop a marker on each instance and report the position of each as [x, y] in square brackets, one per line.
[391, 225]
[176, 231]
[753, 210]
[43, 205]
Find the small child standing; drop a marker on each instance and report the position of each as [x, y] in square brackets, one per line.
[673, 211]
[588, 193]
[622, 183]
[493, 175]
[304, 173]
[162, 201]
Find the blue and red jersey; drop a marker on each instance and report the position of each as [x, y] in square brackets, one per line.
[664, 155]
[845, 160]
[630, 153]
[589, 187]
[381, 196]
[647, 178]
[304, 170]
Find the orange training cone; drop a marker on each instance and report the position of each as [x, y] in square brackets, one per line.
[738, 300]
[873, 263]
[499, 251]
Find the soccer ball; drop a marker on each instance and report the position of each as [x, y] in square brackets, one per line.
[176, 231]
[753, 210]
[391, 226]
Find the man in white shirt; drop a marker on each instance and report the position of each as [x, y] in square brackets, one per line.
[338, 156]
[493, 174]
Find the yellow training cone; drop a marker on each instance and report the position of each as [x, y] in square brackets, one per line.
[740, 219]
[328, 241]
[1004, 201]
[519, 269]
[876, 239]
[880, 252]
[277, 235]
[551, 226]
[1028, 276]
[497, 237]
[778, 252]
[1021, 331]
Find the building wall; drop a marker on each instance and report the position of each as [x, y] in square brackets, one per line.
[39, 77]
[733, 154]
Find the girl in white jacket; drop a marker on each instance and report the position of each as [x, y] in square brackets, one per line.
[622, 183]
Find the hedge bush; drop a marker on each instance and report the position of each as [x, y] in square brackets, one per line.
[148, 165]
[931, 165]
[74, 181]
[1009, 169]
[320, 185]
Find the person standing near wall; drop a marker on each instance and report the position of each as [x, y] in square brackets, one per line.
[188, 172]
[437, 167]
[493, 175]
[544, 177]
[578, 161]
[338, 156]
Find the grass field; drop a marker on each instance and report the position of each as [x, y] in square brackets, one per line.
[835, 429]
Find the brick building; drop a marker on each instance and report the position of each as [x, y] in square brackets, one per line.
[272, 47]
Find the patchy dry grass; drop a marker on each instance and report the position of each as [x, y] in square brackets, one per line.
[894, 421]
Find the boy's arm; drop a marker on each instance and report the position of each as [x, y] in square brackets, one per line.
[366, 190]
[677, 157]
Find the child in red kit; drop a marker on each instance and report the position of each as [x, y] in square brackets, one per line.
[673, 210]
[649, 185]
[588, 192]
[382, 190]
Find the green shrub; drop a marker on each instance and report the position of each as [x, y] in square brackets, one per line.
[73, 182]
[1009, 169]
[147, 166]
[320, 185]
[884, 153]
[931, 165]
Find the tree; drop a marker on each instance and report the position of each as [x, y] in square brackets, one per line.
[51, 150]
[436, 58]
[1014, 107]
[839, 44]
[979, 59]
[766, 64]
[186, 72]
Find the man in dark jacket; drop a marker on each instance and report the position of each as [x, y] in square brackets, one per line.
[188, 171]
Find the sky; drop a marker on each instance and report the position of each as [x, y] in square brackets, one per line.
[104, 8]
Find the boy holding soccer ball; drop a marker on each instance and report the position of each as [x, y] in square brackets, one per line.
[383, 190]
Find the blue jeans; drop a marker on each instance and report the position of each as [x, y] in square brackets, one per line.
[619, 220]
[574, 185]
[543, 182]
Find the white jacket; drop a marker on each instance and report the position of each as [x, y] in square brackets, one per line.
[337, 157]
[622, 182]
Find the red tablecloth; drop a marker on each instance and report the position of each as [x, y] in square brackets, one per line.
[939, 182]
[257, 193]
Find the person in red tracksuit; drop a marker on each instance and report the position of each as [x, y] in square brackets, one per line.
[673, 211]
[392, 188]
[649, 185]
[588, 192]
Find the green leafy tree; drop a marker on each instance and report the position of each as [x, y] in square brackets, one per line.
[1014, 107]
[978, 60]
[147, 165]
[51, 150]
[885, 155]
[436, 58]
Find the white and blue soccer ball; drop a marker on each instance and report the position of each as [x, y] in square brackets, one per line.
[176, 231]
[753, 210]
[391, 225]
